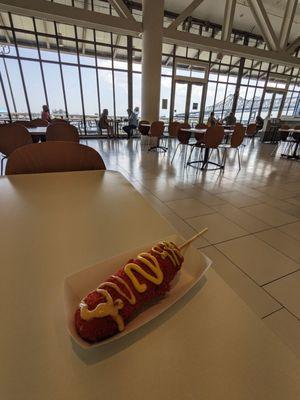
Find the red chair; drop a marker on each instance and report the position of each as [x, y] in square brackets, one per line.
[12, 136]
[210, 142]
[157, 131]
[251, 131]
[173, 129]
[62, 132]
[235, 143]
[143, 128]
[183, 138]
[39, 122]
[53, 157]
[59, 121]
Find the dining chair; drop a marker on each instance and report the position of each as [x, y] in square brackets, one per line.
[59, 121]
[157, 131]
[201, 126]
[173, 129]
[37, 122]
[251, 131]
[199, 140]
[26, 123]
[62, 132]
[235, 143]
[144, 130]
[12, 136]
[183, 138]
[53, 157]
[210, 142]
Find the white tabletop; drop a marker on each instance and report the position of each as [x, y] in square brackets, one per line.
[209, 346]
[203, 130]
[291, 130]
[40, 130]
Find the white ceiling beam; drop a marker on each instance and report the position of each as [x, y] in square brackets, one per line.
[238, 50]
[293, 46]
[262, 20]
[71, 15]
[287, 23]
[228, 19]
[185, 13]
[121, 9]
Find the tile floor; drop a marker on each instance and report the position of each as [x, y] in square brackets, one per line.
[253, 216]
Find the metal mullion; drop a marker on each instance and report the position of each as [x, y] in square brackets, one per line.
[245, 99]
[172, 99]
[188, 102]
[218, 74]
[9, 84]
[61, 71]
[297, 104]
[40, 62]
[250, 112]
[292, 92]
[224, 98]
[113, 79]
[129, 72]
[264, 89]
[97, 77]
[20, 67]
[289, 104]
[256, 87]
[203, 101]
[5, 97]
[80, 79]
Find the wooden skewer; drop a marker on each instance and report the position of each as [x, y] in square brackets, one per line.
[193, 238]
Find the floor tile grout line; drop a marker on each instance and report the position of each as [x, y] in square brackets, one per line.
[283, 306]
[275, 248]
[290, 312]
[284, 276]
[273, 312]
[245, 273]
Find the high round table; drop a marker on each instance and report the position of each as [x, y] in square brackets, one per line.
[227, 133]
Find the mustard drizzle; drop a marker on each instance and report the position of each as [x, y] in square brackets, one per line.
[110, 307]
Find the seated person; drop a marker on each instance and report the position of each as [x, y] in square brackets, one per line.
[104, 123]
[212, 121]
[45, 115]
[132, 121]
[259, 122]
[230, 119]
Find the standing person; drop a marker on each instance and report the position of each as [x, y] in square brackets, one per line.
[230, 119]
[104, 123]
[212, 121]
[45, 115]
[259, 122]
[132, 121]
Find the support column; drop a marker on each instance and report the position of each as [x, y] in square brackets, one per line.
[153, 13]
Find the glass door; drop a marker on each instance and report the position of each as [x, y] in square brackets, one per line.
[187, 102]
[181, 89]
[196, 92]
